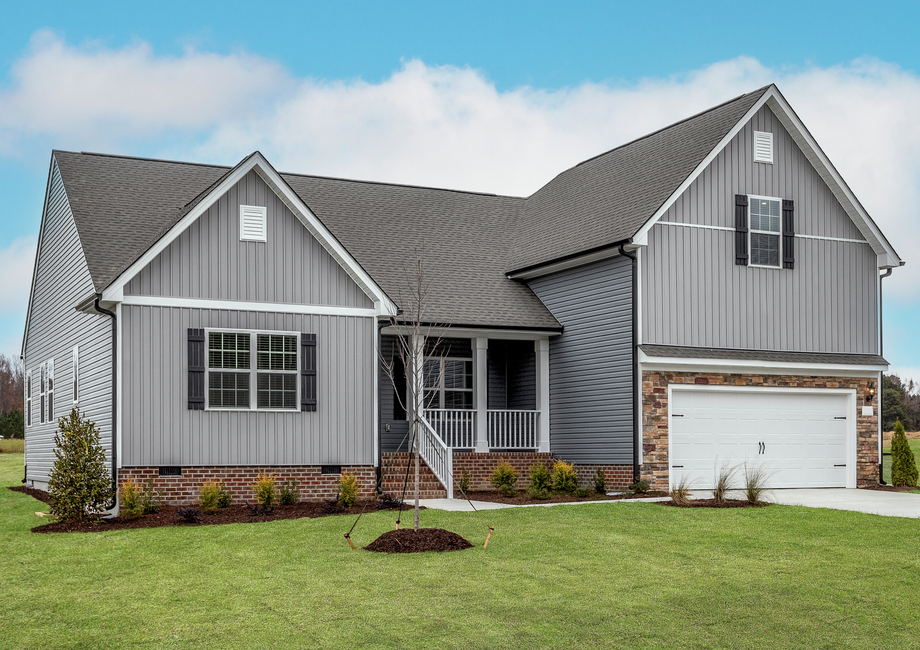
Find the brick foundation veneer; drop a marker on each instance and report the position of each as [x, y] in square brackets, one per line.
[313, 486]
[655, 416]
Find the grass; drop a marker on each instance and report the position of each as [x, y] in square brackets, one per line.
[886, 460]
[625, 575]
[13, 445]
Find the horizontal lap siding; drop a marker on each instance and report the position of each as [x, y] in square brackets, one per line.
[55, 327]
[591, 363]
[160, 430]
[209, 261]
[693, 293]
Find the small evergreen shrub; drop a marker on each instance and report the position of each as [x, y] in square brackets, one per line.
[208, 495]
[348, 490]
[80, 485]
[189, 514]
[224, 497]
[639, 487]
[264, 490]
[150, 499]
[903, 463]
[583, 493]
[538, 494]
[388, 501]
[564, 478]
[130, 498]
[504, 475]
[508, 491]
[540, 479]
[288, 494]
[463, 483]
[600, 481]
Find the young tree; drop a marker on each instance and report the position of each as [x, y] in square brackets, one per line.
[903, 464]
[80, 485]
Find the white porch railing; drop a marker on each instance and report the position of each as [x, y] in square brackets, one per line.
[456, 427]
[437, 455]
[513, 429]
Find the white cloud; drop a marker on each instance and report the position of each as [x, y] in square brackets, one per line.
[16, 262]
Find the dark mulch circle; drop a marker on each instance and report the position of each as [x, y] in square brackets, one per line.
[712, 503]
[522, 498]
[412, 541]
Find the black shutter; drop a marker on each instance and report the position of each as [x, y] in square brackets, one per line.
[195, 369]
[308, 372]
[788, 234]
[741, 229]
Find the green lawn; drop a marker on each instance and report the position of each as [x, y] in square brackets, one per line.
[13, 445]
[589, 576]
[886, 460]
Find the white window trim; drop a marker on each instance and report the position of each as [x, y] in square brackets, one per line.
[41, 394]
[779, 234]
[253, 371]
[29, 398]
[254, 211]
[50, 392]
[75, 367]
[441, 388]
[770, 138]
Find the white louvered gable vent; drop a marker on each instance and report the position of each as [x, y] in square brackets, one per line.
[763, 147]
[253, 225]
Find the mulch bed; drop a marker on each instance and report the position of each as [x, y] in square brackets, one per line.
[412, 541]
[889, 488]
[169, 516]
[712, 503]
[523, 499]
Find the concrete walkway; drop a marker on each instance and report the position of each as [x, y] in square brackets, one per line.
[887, 504]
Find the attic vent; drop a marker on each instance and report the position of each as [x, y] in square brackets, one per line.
[252, 223]
[763, 147]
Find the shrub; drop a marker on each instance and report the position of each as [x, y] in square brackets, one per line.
[224, 497]
[600, 481]
[540, 480]
[583, 493]
[463, 483]
[639, 487]
[348, 490]
[680, 493]
[80, 486]
[288, 494]
[189, 514]
[755, 483]
[208, 495]
[388, 501]
[332, 507]
[564, 478]
[903, 463]
[264, 491]
[503, 474]
[131, 496]
[724, 482]
[508, 491]
[539, 494]
[150, 499]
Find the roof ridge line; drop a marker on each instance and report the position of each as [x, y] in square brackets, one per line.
[162, 160]
[418, 187]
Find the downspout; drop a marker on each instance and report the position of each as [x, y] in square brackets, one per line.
[881, 353]
[100, 309]
[637, 413]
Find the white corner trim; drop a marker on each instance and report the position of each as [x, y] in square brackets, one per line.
[119, 418]
[271, 177]
[238, 305]
[682, 364]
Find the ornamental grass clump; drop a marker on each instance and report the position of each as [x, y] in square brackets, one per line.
[264, 491]
[724, 481]
[680, 493]
[755, 483]
[80, 485]
[504, 478]
[151, 499]
[564, 478]
[903, 463]
[130, 500]
[349, 488]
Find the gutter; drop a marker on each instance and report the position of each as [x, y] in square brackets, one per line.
[101, 310]
[881, 351]
[637, 409]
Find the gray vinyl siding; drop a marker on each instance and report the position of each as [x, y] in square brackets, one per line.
[693, 293]
[209, 261]
[590, 364]
[62, 280]
[160, 430]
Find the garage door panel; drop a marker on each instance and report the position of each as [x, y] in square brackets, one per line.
[794, 437]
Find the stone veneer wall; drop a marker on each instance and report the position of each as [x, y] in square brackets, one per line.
[313, 485]
[655, 416]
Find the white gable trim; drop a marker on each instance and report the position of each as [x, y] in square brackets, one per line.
[887, 256]
[115, 291]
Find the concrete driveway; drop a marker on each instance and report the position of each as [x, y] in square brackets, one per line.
[873, 502]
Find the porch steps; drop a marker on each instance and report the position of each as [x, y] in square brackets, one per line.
[394, 476]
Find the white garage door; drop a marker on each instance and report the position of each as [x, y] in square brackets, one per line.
[799, 437]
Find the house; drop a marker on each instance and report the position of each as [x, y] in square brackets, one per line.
[707, 294]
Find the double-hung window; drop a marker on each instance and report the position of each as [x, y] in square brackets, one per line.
[252, 370]
[29, 398]
[448, 383]
[764, 231]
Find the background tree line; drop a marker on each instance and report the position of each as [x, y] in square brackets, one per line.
[900, 401]
[12, 396]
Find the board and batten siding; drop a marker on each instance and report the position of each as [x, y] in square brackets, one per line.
[159, 429]
[62, 280]
[693, 293]
[209, 261]
[590, 364]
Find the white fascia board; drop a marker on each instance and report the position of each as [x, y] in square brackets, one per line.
[757, 367]
[38, 248]
[238, 305]
[115, 291]
[471, 333]
[571, 263]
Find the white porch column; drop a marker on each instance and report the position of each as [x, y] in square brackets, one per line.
[541, 348]
[481, 386]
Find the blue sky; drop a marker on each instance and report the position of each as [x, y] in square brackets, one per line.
[487, 96]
